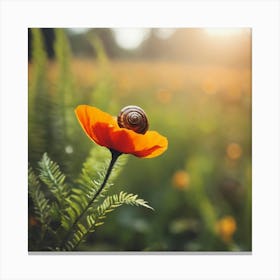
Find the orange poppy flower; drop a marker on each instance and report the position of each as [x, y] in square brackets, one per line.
[104, 130]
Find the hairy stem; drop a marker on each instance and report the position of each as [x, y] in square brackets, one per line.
[115, 155]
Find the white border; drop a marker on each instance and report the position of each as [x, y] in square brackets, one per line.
[262, 16]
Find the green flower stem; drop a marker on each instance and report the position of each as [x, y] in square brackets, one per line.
[115, 156]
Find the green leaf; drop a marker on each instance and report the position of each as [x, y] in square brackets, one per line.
[41, 204]
[95, 217]
[54, 179]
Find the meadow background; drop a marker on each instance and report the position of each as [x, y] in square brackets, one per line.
[195, 86]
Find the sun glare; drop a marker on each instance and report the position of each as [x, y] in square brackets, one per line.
[223, 31]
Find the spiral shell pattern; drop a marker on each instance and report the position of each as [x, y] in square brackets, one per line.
[133, 118]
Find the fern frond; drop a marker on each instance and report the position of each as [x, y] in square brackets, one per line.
[114, 201]
[89, 183]
[39, 99]
[41, 204]
[54, 179]
[94, 218]
[65, 87]
[94, 171]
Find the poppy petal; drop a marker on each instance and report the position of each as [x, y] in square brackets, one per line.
[103, 129]
[148, 145]
[152, 145]
[88, 117]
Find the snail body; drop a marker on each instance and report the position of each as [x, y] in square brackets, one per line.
[133, 118]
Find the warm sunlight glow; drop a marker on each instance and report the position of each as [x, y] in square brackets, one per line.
[130, 38]
[223, 31]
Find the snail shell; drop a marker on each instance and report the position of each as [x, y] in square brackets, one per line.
[133, 118]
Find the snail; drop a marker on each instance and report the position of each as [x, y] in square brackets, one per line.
[133, 118]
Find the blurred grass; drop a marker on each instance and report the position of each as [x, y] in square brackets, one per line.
[205, 112]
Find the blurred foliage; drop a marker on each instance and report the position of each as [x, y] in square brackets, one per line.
[66, 213]
[201, 187]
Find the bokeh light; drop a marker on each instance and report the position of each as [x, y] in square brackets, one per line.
[226, 227]
[181, 179]
[130, 38]
[234, 151]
